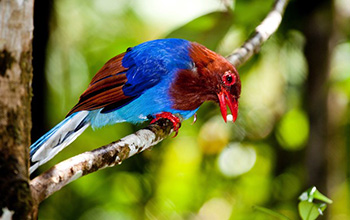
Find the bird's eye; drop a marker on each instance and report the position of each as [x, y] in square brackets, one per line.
[229, 78]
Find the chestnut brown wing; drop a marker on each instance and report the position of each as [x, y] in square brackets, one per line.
[105, 88]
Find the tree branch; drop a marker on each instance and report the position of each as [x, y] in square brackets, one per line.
[107, 156]
[112, 154]
[266, 28]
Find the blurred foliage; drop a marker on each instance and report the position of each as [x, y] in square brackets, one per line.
[212, 170]
[208, 29]
[292, 121]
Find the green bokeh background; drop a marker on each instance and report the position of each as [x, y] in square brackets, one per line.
[211, 170]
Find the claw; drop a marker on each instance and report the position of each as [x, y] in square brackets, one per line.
[175, 120]
[194, 118]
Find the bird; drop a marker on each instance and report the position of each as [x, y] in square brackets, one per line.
[156, 79]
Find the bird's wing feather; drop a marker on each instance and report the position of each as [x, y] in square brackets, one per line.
[105, 87]
[151, 62]
[121, 80]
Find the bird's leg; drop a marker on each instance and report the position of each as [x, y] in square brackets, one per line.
[175, 120]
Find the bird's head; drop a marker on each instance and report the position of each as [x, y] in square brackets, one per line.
[211, 78]
[228, 93]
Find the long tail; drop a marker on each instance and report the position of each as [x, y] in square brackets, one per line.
[57, 139]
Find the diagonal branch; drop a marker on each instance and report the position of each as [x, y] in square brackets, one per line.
[112, 154]
[107, 156]
[266, 28]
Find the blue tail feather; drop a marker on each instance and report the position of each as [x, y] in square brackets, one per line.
[58, 138]
[37, 144]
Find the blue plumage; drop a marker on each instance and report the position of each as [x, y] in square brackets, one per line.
[151, 62]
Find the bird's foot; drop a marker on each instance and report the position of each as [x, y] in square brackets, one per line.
[175, 120]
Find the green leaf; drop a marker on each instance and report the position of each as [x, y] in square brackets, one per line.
[312, 193]
[309, 210]
[208, 29]
[321, 207]
[270, 212]
[321, 197]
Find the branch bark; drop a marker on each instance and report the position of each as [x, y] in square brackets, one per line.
[16, 34]
[110, 155]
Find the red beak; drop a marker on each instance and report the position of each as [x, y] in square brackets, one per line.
[225, 98]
